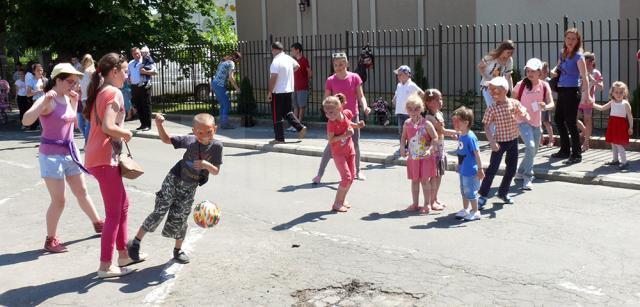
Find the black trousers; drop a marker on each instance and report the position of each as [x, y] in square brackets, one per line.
[566, 114]
[141, 100]
[511, 160]
[281, 109]
[24, 104]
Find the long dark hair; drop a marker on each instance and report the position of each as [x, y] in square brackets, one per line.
[52, 82]
[106, 64]
[495, 53]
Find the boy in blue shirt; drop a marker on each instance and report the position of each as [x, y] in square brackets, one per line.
[469, 164]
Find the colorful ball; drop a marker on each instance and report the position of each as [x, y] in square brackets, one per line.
[206, 214]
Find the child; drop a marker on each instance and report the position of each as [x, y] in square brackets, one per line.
[21, 94]
[339, 132]
[406, 87]
[546, 114]
[469, 164]
[501, 114]
[620, 125]
[419, 137]
[203, 157]
[433, 101]
[147, 64]
[586, 109]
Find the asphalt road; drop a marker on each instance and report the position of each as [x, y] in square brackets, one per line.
[279, 245]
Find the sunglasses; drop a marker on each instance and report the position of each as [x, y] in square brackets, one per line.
[339, 55]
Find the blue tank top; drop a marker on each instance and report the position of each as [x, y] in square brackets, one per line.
[570, 74]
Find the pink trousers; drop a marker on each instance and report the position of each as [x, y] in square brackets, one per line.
[116, 208]
[346, 166]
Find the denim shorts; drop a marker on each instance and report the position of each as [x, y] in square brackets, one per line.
[469, 186]
[57, 166]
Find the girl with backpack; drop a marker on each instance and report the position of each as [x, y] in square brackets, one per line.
[535, 95]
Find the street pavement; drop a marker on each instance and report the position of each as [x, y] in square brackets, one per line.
[278, 244]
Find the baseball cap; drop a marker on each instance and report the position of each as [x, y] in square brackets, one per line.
[500, 81]
[64, 68]
[534, 64]
[277, 45]
[403, 69]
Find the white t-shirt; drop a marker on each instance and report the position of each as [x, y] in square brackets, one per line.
[403, 91]
[28, 77]
[22, 87]
[283, 65]
[84, 83]
[37, 85]
[495, 69]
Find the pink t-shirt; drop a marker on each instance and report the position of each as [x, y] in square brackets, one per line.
[530, 100]
[348, 87]
[100, 148]
[339, 127]
[596, 75]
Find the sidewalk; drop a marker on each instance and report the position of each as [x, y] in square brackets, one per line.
[379, 147]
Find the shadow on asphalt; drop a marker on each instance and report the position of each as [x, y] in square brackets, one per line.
[26, 256]
[306, 186]
[450, 221]
[395, 214]
[246, 153]
[306, 218]
[38, 294]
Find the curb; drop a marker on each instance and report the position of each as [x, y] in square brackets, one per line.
[587, 178]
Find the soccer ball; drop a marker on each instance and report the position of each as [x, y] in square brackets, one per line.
[206, 214]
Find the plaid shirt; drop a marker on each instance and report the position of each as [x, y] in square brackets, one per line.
[504, 117]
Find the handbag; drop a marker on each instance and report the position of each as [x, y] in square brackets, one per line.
[553, 83]
[129, 168]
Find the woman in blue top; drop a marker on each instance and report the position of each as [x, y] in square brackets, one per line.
[224, 72]
[573, 87]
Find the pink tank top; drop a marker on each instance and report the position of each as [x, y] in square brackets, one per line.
[57, 125]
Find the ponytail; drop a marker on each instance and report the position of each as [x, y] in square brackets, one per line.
[107, 63]
[341, 98]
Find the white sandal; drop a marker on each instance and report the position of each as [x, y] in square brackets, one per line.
[114, 272]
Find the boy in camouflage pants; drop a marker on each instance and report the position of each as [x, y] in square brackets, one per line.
[176, 196]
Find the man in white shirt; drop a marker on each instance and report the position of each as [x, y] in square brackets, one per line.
[281, 89]
[140, 94]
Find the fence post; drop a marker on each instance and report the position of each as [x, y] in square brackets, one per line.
[346, 42]
[440, 57]
[566, 22]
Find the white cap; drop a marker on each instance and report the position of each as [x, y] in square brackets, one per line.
[500, 81]
[534, 64]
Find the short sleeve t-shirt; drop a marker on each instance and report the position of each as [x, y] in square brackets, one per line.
[100, 149]
[403, 91]
[37, 85]
[21, 87]
[222, 73]
[596, 75]
[344, 147]
[184, 169]
[496, 69]
[301, 76]
[570, 74]
[530, 100]
[348, 87]
[467, 146]
[282, 65]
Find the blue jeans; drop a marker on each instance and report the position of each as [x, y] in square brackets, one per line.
[84, 126]
[511, 149]
[469, 186]
[531, 136]
[223, 100]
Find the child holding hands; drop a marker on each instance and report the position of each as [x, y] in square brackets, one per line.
[620, 125]
[417, 143]
[339, 132]
[203, 156]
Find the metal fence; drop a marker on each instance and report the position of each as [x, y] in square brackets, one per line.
[448, 56]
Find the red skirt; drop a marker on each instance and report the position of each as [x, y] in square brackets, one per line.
[617, 130]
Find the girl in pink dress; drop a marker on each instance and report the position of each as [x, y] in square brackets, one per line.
[417, 144]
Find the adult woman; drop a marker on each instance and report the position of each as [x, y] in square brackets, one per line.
[58, 156]
[350, 85]
[498, 63]
[224, 72]
[105, 109]
[86, 68]
[572, 82]
[35, 88]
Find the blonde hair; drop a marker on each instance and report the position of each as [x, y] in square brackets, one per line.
[204, 119]
[616, 85]
[464, 114]
[413, 101]
[87, 63]
[335, 101]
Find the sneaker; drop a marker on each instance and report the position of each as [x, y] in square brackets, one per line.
[291, 129]
[302, 132]
[53, 245]
[462, 213]
[145, 129]
[180, 256]
[473, 216]
[506, 199]
[623, 165]
[481, 202]
[97, 226]
[526, 185]
[361, 176]
[518, 176]
[573, 160]
[129, 261]
[560, 155]
[134, 251]
[316, 179]
[612, 163]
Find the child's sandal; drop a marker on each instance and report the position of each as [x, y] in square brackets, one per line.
[339, 208]
[413, 208]
[425, 210]
[437, 207]
[347, 204]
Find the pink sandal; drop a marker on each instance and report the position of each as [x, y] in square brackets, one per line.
[413, 208]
